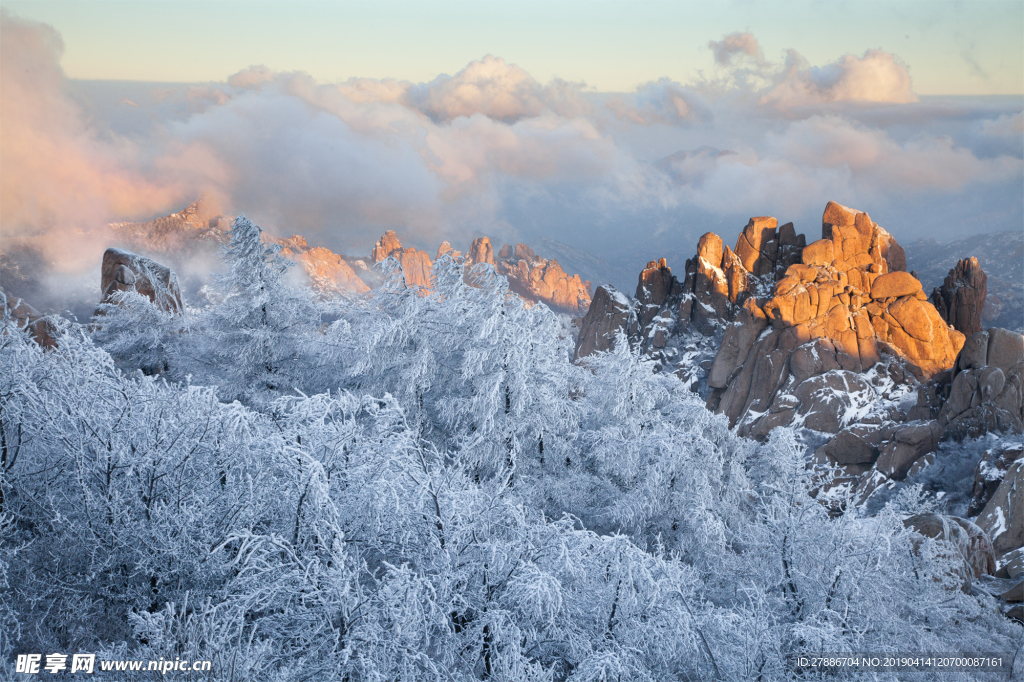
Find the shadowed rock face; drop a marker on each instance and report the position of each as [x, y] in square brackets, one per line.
[960, 300]
[609, 315]
[1001, 255]
[987, 389]
[126, 271]
[1003, 516]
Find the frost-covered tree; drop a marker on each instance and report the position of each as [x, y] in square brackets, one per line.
[255, 332]
[427, 489]
[478, 371]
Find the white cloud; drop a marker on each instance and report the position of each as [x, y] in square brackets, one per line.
[497, 90]
[743, 44]
[663, 101]
[491, 149]
[1007, 125]
[876, 77]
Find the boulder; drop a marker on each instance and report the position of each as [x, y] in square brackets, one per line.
[710, 249]
[1003, 516]
[825, 399]
[913, 317]
[974, 353]
[908, 444]
[989, 473]
[1011, 565]
[43, 328]
[969, 541]
[757, 246]
[987, 392]
[125, 271]
[1005, 350]
[961, 298]
[836, 215]
[895, 285]
[857, 444]
[818, 253]
[1014, 595]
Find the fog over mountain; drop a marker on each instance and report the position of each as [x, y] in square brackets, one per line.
[490, 150]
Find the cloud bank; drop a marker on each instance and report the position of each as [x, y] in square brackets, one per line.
[491, 150]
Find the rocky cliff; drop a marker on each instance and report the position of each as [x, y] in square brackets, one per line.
[960, 301]
[198, 227]
[415, 264]
[542, 280]
[832, 337]
[532, 277]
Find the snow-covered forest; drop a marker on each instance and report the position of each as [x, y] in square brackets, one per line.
[423, 486]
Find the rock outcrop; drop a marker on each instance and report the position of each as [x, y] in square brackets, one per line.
[842, 307]
[532, 277]
[676, 321]
[416, 264]
[386, 246]
[1003, 515]
[989, 474]
[125, 271]
[43, 328]
[960, 301]
[1000, 254]
[198, 227]
[608, 316]
[480, 251]
[987, 389]
[847, 292]
[327, 271]
[446, 248]
[537, 279]
[964, 537]
[834, 337]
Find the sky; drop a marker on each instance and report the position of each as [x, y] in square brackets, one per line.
[625, 130]
[964, 47]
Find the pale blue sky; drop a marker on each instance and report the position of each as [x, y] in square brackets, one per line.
[974, 47]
